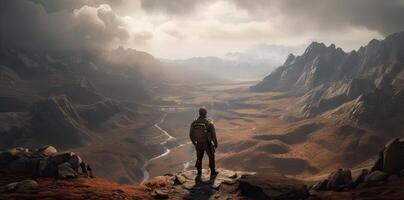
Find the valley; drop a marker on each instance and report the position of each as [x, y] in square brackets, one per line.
[260, 132]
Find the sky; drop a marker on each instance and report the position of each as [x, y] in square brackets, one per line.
[178, 29]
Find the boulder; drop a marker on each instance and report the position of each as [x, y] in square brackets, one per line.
[375, 178]
[47, 151]
[18, 151]
[21, 186]
[65, 171]
[361, 178]
[75, 161]
[322, 185]
[44, 162]
[393, 157]
[23, 165]
[340, 179]
[160, 194]
[272, 186]
[378, 165]
[53, 162]
[60, 158]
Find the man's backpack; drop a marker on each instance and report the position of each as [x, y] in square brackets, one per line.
[200, 132]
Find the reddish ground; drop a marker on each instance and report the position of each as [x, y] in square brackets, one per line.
[81, 188]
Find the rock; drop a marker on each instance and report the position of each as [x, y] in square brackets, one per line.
[376, 177]
[52, 164]
[18, 151]
[40, 170]
[47, 151]
[378, 165]
[361, 178]
[272, 186]
[322, 185]
[75, 162]
[160, 194]
[21, 186]
[228, 173]
[65, 171]
[189, 185]
[44, 162]
[393, 154]
[158, 182]
[60, 158]
[24, 165]
[339, 179]
[181, 179]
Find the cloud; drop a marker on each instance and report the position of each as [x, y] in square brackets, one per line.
[26, 24]
[171, 7]
[328, 15]
[185, 28]
[379, 15]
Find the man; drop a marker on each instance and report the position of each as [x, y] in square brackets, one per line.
[202, 134]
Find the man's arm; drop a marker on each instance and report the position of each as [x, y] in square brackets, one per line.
[191, 135]
[213, 134]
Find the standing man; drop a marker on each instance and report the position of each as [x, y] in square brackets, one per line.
[203, 136]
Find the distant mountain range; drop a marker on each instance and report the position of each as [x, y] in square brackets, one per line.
[363, 86]
[254, 63]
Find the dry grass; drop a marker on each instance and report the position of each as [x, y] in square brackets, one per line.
[74, 189]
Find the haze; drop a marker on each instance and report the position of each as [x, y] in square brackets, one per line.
[179, 29]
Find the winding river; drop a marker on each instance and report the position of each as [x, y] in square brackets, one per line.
[167, 150]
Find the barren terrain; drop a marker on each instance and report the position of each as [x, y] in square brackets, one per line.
[261, 132]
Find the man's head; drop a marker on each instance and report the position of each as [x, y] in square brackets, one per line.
[203, 112]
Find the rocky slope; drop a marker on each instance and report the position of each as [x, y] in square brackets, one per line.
[363, 86]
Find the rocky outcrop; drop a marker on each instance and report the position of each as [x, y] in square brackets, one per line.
[391, 157]
[44, 162]
[388, 166]
[226, 185]
[272, 186]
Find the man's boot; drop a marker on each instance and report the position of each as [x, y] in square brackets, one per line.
[213, 172]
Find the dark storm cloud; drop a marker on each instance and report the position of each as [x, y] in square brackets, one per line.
[380, 15]
[26, 24]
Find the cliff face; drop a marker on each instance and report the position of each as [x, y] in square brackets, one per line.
[363, 86]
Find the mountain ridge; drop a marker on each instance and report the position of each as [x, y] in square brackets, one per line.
[327, 78]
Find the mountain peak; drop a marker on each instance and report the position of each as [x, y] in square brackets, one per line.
[289, 59]
[315, 47]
